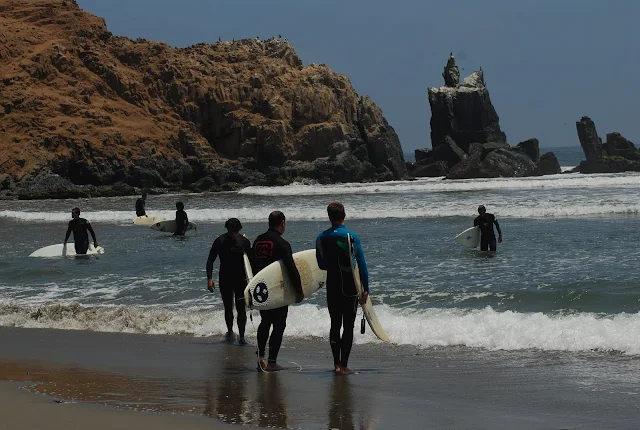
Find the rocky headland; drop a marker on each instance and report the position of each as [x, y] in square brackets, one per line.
[616, 154]
[466, 139]
[86, 113]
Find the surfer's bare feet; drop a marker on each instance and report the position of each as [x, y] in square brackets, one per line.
[337, 370]
[229, 336]
[273, 367]
[346, 371]
[242, 341]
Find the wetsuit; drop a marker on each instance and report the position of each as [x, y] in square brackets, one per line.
[79, 227]
[182, 221]
[332, 254]
[232, 278]
[487, 237]
[268, 248]
[140, 207]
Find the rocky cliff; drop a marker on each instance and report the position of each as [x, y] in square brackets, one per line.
[617, 154]
[84, 112]
[466, 138]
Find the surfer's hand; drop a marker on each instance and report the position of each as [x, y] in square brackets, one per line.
[363, 297]
[210, 285]
[499, 238]
[299, 297]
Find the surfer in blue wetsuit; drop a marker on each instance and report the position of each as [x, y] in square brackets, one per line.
[268, 248]
[332, 253]
[231, 247]
[486, 221]
[81, 229]
[182, 220]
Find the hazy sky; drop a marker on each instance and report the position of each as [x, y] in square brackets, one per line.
[546, 62]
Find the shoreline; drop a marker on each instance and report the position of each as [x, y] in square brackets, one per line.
[213, 382]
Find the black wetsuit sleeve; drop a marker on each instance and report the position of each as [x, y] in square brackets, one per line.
[213, 254]
[320, 254]
[93, 235]
[495, 221]
[69, 229]
[290, 265]
[476, 222]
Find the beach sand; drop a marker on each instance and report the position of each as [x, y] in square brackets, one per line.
[22, 410]
[211, 383]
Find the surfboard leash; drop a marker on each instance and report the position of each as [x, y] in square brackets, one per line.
[263, 369]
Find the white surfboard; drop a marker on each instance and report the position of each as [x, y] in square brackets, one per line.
[62, 250]
[169, 226]
[248, 270]
[469, 238]
[367, 308]
[270, 289]
[147, 220]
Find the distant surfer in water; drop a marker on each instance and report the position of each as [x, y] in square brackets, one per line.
[332, 253]
[140, 203]
[231, 248]
[182, 220]
[268, 248]
[487, 236]
[81, 229]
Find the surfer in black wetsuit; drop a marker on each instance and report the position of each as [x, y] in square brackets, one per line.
[230, 247]
[140, 203]
[268, 248]
[487, 236]
[332, 253]
[80, 227]
[182, 220]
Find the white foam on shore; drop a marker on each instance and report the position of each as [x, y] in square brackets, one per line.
[483, 328]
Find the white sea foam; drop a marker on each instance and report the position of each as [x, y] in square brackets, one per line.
[573, 180]
[483, 328]
[569, 207]
[567, 195]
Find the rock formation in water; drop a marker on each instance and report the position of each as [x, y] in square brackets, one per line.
[466, 138]
[617, 154]
[86, 113]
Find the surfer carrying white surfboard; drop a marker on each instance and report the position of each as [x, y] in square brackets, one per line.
[332, 253]
[182, 220]
[268, 248]
[140, 205]
[486, 221]
[231, 248]
[80, 227]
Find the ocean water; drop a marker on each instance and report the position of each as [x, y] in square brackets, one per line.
[566, 277]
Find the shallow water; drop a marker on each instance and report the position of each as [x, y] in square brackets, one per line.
[565, 278]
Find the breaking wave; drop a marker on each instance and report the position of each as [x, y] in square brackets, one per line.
[484, 328]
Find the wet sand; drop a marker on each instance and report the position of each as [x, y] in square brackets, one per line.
[22, 410]
[398, 387]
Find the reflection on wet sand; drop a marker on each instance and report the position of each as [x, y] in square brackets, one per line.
[341, 406]
[76, 384]
[273, 412]
[233, 393]
[231, 403]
